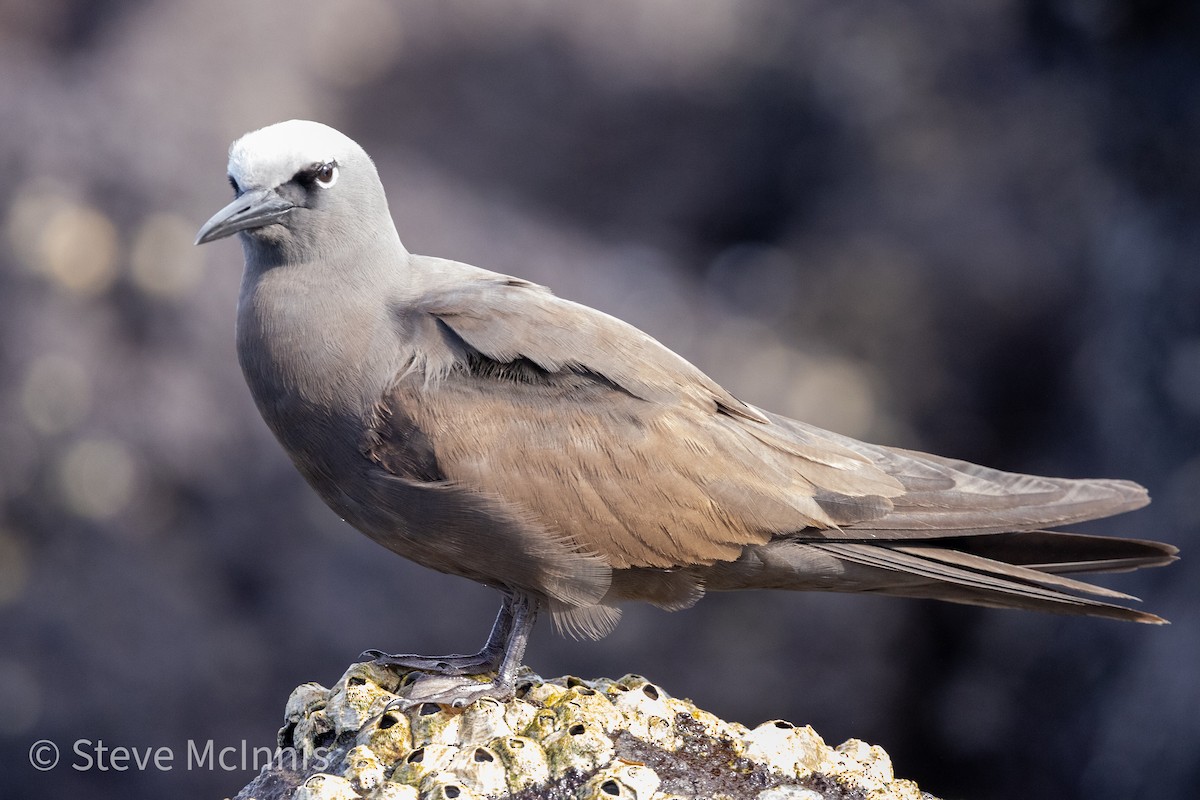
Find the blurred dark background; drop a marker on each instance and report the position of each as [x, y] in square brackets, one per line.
[963, 227]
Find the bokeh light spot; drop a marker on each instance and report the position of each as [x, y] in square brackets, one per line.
[837, 395]
[70, 243]
[96, 478]
[163, 261]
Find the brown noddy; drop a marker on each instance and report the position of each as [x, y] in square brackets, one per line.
[481, 426]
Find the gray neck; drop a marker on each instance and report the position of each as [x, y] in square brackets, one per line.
[318, 347]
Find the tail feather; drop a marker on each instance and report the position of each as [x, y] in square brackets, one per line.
[956, 531]
[931, 570]
[1063, 552]
[1009, 570]
[1012, 572]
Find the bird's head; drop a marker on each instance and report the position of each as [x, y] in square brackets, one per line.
[302, 190]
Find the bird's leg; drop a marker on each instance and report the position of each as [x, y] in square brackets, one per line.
[459, 690]
[485, 660]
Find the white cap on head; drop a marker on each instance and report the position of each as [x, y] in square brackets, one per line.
[272, 155]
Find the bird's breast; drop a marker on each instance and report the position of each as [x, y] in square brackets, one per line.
[314, 367]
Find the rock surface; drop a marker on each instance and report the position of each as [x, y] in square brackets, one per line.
[561, 738]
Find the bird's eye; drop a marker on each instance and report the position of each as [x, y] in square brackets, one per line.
[237, 190]
[325, 174]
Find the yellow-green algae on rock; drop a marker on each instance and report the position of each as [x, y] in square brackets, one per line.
[560, 739]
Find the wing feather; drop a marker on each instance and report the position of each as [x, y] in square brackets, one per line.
[611, 439]
[612, 442]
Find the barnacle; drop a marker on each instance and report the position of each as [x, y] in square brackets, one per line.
[424, 761]
[395, 791]
[445, 786]
[567, 737]
[388, 735]
[786, 749]
[484, 720]
[326, 787]
[645, 711]
[433, 724]
[525, 762]
[480, 769]
[580, 747]
[621, 781]
[584, 704]
[363, 770]
[363, 692]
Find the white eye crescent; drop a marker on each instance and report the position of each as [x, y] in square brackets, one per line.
[326, 175]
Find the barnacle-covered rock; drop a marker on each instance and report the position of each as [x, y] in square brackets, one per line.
[583, 747]
[525, 762]
[305, 699]
[388, 736]
[395, 791]
[542, 725]
[363, 692]
[794, 752]
[585, 704]
[426, 760]
[484, 720]
[789, 793]
[480, 770]
[869, 764]
[304, 720]
[446, 786]
[363, 770]
[645, 711]
[433, 724]
[562, 738]
[325, 787]
[621, 781]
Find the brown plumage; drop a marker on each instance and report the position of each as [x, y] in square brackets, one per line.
[483, 427]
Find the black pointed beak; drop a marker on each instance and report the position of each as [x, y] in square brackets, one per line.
[253, 209]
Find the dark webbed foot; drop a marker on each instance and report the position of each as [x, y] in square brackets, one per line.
[486, 660]
[451, 690]
[473, 664]
[448, 679]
